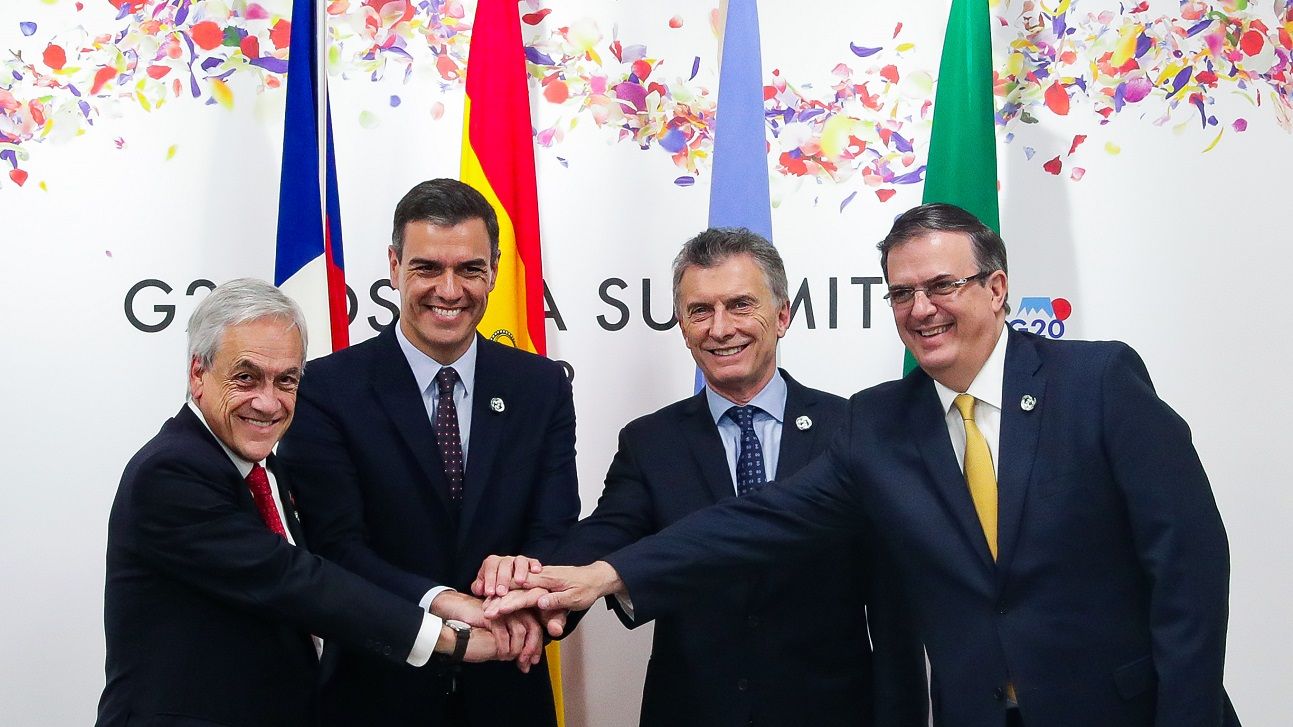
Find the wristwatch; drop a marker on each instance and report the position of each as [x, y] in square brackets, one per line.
[462, 634]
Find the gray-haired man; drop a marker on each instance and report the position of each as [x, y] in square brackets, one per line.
[210, 602]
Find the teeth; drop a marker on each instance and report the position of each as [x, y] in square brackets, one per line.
[259, 422]
[935, 331]
[728, 351]
[448, 312]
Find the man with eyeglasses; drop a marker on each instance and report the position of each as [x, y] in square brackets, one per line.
[1054, 526]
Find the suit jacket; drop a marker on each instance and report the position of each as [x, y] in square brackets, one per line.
[789, 645]
[373, 492]
[208, 614]
[1108, 603]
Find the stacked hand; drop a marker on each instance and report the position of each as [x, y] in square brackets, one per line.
[515, 636]
[516, 584]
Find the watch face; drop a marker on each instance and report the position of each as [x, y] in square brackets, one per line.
[457, 625]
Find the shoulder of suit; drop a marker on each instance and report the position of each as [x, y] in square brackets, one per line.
[1066, 351]
[665, 416]
[179, 446]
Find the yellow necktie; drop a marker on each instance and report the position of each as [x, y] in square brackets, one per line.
[979, 475]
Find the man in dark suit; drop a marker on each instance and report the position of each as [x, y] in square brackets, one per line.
[737, 655]
[210, 601]
[1053, 523]
[428, 448]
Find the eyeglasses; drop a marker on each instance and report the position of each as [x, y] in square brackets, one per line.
[903, 296]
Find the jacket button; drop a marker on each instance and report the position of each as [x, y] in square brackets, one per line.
[998, 694]
[1001, 608]
[753, 621]
[742, 684]
[386, 650]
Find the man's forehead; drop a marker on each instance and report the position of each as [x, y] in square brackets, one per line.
[262, 341]
[935, 249]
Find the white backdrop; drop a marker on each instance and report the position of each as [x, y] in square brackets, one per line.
[1157, 242]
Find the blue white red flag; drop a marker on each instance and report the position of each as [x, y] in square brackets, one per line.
[308, 265]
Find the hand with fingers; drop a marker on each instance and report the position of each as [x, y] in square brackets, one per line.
[502, 573]
[557, 589]
[516, 636]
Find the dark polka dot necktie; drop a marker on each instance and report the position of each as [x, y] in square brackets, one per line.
[447, 437]
[749, 463]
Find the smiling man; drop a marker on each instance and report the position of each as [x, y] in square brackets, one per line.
[737, 655]
[1053, 524]
[427, 449]
[211, 599]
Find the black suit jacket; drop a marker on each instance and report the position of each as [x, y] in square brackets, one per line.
[208, 614]
[787, 645]
[374, 498]
[1108, 603]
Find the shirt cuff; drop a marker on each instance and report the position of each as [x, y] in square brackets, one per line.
[425, 603]
[424, 644]
[626, 604]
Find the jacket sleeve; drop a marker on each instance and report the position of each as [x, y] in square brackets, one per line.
[191, 527]
[554, 503]
[1179, 540]
[815, 506]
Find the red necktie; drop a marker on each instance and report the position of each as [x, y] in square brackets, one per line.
[258, 483]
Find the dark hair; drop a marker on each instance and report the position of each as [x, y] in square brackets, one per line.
[444, 203]
[715, 245]
[989, 249]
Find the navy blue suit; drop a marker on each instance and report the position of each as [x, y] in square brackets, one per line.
[208, 614]
[1108, 603]
[789, 645]
[373, 493]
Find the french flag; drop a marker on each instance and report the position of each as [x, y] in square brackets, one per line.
[308, 265]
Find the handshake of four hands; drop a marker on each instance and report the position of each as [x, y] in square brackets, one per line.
[522, 599]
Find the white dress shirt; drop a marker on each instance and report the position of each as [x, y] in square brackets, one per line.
[428, 634]
[771, 401]
[425, 369]
[987, 391]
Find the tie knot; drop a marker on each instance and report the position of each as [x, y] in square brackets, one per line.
[445, 379]
[257, 475]
[965, 404]
[743, 416]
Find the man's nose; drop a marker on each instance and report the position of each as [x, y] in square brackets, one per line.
[922, 305]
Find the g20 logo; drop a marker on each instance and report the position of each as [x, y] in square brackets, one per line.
[1043, 316]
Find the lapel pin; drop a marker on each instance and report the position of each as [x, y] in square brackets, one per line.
[1028, 403]
[804, 423]
[497, 405]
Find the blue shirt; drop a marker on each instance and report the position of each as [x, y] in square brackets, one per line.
[771, 400]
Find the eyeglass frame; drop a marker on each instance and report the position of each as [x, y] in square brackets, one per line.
[951, 286]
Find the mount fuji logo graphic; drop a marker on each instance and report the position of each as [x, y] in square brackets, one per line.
[1042, 315]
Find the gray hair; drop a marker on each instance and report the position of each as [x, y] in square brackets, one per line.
[714, 246]
[238, 301]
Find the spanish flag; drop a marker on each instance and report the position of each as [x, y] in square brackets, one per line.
[498, 160]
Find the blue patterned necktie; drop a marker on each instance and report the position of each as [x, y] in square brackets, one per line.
[447, 437]
[749, 463]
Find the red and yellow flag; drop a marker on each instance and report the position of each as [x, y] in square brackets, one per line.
[498, 160]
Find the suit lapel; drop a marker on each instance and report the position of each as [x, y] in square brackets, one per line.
[1018, 441]
[796, 444]
[290, 513]
[486, 432]
[702, 438]
[398, 393]
[929, 428]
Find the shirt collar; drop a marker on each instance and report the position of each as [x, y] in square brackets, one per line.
[771, 399]
[988, 383]
[425, 368]
[244, 467]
